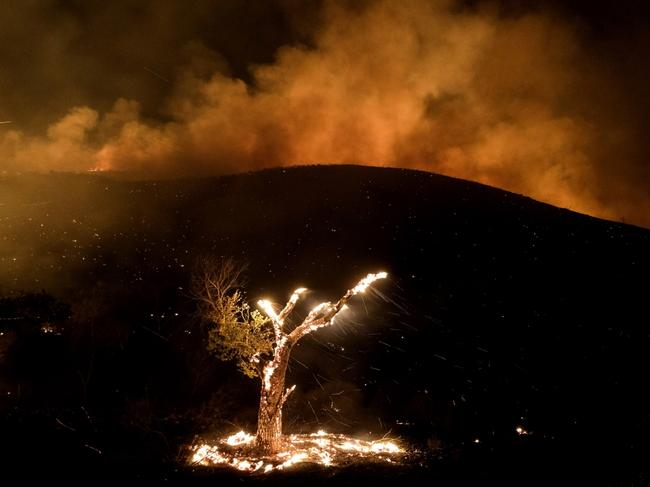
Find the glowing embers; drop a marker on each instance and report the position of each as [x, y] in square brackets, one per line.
[236, 451]
[267, 307]
[367, 281]
[241, 438]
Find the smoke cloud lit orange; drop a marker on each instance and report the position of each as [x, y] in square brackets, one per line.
[502, 100]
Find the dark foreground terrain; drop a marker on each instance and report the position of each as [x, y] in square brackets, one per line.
[511, 343]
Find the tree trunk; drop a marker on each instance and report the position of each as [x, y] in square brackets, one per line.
[269, 429]
[272, 397]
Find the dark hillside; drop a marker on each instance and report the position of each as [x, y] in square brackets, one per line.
[500, 312]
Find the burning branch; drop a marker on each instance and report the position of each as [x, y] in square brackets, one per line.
[278, 319]
[324, 314]
[288, 308]
[287, 393]
[267, 307]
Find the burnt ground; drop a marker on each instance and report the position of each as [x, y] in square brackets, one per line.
[501, 312]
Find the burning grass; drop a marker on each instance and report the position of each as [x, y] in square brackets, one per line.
[237, 451]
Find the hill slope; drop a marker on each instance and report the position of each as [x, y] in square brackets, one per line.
[501, 311]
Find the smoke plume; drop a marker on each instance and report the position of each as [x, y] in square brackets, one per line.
[526, 100]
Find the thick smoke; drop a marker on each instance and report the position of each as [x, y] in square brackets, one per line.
[518, 101]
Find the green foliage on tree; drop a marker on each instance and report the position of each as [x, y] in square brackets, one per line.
[240, 334]
[234, 331]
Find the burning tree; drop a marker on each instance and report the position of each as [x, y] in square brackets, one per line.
[259, 343]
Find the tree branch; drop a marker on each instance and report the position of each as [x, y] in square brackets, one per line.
[286, 394]
[278, 319]
[267, 307]
[324, 314]
[257, 363]
[288, 308]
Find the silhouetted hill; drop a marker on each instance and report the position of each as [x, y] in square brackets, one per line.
[500, 312]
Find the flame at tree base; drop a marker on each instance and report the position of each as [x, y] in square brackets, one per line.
[325, 449]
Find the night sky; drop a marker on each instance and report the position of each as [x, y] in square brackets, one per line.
[546, 99]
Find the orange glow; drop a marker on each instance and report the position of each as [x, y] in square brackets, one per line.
[367, 281]
[319, 448]
[457, 94]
